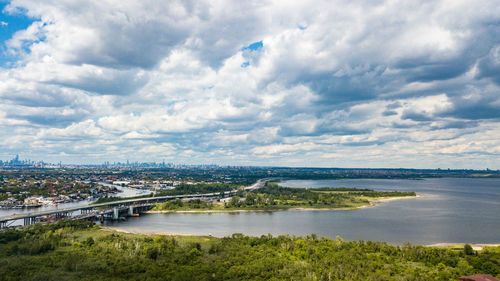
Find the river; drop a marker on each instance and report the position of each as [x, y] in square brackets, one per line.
[455, 210]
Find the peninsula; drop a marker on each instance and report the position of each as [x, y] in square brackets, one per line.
[272, 197]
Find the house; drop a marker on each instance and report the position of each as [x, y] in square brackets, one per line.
[478, 277]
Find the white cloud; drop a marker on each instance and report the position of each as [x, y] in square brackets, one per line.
[334, 82]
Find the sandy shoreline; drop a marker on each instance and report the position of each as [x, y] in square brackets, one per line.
[388, 199]
[210, 211]
[371, 204]
[136, 231]
[475, 246]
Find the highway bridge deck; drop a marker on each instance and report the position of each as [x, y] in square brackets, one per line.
[117, 206]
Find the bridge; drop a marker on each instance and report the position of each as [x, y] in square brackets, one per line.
[116, 209]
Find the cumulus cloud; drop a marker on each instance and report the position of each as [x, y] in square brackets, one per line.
[342, 83]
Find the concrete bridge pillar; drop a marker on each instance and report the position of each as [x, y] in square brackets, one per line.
[116, 213]
[29, 221]
[3, 224]
[131, 210]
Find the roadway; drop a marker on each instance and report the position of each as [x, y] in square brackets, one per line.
[257, 185]
[139, 201]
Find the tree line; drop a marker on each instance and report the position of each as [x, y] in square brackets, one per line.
[80, 251]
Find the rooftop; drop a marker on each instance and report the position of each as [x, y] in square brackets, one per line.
[478, 277]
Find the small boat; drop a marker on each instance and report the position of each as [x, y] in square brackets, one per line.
[30, 206]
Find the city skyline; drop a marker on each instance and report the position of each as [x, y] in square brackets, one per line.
[27, 163]
[383, 84]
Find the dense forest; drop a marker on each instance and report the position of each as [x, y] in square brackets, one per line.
[80, 251]
[272, 196]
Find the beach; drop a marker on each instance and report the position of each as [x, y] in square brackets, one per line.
[372, 203]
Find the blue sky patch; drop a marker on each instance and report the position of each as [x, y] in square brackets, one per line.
[290, 107]
[254, 46]
[10, 24]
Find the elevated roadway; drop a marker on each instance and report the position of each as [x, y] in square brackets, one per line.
[114, 209]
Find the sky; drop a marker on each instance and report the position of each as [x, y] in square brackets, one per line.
[340, 83]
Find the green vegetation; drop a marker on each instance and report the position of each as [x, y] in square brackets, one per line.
[341, 189]
[179, 205]
[77, 251]
[199, 188]
[107, 199]
[275, 197]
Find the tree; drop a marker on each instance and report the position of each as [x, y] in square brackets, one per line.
[251, 198]
[468, 250]
[235, 201]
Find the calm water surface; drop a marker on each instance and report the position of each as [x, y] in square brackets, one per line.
[455, 210]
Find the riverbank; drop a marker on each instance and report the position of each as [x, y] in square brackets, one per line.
[141, 232]
[451, 246]
[372, 202]
[456, 246]
[388, 199]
